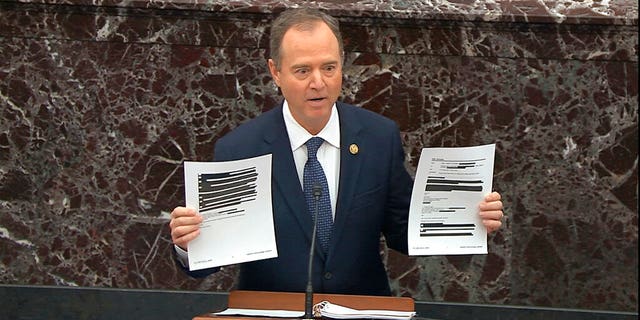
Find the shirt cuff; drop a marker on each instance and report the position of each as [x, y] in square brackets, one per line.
[182, 256]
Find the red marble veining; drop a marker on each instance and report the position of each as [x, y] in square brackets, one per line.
[101, 101]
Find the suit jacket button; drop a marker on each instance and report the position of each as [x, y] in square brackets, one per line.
[328, 275]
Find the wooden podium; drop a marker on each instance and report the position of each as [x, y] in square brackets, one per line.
[294, 301]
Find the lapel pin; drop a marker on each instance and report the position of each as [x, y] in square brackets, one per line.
[353, 148]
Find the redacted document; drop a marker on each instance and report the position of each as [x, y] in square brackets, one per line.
[234, 198]
[449, 185]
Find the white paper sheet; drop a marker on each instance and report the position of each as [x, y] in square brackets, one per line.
[234, 199]
[327, 309]
[449, 185]
[261, 313]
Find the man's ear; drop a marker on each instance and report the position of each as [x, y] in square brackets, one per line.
[275, 74]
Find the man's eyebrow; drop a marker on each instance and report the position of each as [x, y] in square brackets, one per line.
[306, 65]
[300, 65]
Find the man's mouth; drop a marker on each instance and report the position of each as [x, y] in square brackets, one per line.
[316, 99]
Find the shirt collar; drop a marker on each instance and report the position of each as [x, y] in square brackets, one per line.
[299, 135]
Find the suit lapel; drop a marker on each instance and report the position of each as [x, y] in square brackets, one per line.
[286, 176]
[350, 164]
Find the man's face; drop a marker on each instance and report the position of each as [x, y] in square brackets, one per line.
[310, 75]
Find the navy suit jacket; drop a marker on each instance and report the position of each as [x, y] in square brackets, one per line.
[373, 199]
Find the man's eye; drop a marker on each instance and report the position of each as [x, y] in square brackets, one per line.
[330, 70]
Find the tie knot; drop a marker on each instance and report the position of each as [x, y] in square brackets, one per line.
[312, 146]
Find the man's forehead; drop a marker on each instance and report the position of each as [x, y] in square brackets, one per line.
[308, 27]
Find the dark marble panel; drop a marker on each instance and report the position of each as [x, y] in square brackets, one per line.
[576, 147]
[529, 11]
[94, 155]
[102, 101]
[381, 35]
[491, 40]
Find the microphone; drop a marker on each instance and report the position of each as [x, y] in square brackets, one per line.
[308, 294]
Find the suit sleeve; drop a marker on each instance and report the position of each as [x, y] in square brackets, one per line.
[398, 199]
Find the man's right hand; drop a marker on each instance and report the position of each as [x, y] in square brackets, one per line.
[185, 226]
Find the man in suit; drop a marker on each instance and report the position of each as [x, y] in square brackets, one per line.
[367, 191]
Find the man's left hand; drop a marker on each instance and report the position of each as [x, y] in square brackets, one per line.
[491, 212]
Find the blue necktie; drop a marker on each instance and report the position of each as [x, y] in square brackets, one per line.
[313, 174]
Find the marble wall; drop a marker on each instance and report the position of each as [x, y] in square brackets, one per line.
[101, 101]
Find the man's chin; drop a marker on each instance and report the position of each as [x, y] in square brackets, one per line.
[319, 112]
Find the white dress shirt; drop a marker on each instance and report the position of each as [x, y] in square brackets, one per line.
[328, 154]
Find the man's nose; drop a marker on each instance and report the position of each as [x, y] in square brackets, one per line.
[316, 80]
